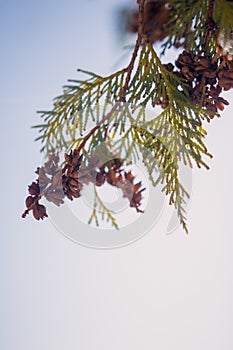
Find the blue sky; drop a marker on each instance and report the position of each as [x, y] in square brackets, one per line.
[164, 291]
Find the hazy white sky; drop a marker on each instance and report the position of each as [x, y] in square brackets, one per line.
[161, 292]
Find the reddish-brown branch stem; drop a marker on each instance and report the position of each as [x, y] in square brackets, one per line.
[210, 17]
[210, 13]
[130, 67]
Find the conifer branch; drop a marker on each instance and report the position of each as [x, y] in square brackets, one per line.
[115, 106]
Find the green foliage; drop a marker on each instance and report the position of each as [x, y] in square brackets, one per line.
[173, 136]
[73, 109]
[223, 18]
[188, 25]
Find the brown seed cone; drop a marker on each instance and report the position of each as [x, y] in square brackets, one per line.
[215, 91]
[100, 179]
[34, 189]
[185, 59]
[225, 79]
[220, 103]
[71, 187]
[39, 211]
[201, 63]
[188, 73]
[111, 177]
[29, 201]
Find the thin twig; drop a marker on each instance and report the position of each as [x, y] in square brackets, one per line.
[141, 36]
[210, 17]
[210, 13]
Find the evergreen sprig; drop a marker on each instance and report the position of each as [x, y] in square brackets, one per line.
[72, 110]
[223, 17]
[188, 25]
[113, 109]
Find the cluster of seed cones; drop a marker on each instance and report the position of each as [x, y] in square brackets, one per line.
[205, 79]
[55, 183]
[48, 185]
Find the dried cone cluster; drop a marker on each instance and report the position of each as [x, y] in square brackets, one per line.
[32, 203]
[48, 185]
[70, 175]
[205, 79]
[55, 183]
[113, 173]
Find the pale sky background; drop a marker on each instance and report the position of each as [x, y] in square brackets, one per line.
[163, 291]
